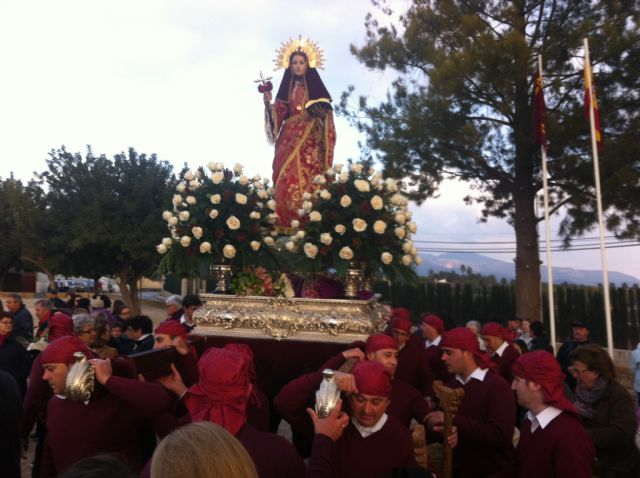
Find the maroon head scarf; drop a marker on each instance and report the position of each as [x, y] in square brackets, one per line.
[464, 339]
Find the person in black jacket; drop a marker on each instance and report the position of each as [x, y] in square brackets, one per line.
[14, 358]
[11, 406]
[22, 319]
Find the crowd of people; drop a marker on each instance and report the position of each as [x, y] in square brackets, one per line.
[525, 412]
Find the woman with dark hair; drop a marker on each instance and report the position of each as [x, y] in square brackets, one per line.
[540, 340]
[103, 337]
[607, 412]
[301, 122]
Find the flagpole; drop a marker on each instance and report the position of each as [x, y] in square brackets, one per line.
[596, 167]
[545, 190]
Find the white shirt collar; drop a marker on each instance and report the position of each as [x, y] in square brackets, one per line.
[366, 431]
[142, 337]
[478, 374]
[183, 320]
[501, 349]
[543, 418]
[434, 342]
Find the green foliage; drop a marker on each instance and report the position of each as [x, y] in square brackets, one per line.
[461, 105]
[105, 214]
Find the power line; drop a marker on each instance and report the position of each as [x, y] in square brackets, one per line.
[513, 251]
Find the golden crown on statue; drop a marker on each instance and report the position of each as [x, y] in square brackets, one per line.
[309, 47]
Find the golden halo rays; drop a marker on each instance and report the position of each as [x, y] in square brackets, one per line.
[311, 48]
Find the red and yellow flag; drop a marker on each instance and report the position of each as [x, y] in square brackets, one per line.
[589, 100]
[539, 108]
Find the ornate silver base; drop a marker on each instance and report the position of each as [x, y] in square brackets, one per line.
[307, 320]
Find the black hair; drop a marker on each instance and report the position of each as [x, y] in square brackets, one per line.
[141, 322]
[99, 466]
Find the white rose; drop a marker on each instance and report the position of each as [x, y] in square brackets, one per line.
[255, 245]
[346, 253]
[197, 232]
[213, 213]
[357, 168]
[161, 248]
[262, 194]
[217, 177]
[271, 191]
[185, 241]
[337, 168]
[359, 225]
[191, 200]
[233, 223]
[241, 198]
[407, 260]
[212, 166]
[260, 205]
[399, 218]
[300, 235]
[243, 180]
[319, 179]
[237, 168]
[377, 203]
[406, 247]
[345, 201]
[173, 221]
[400, 232]
[324, 194]
[205, 247]
[404, 200]
[272, 218]
[301, 212]
[413, 227]
[254, 215]
[177, 199]
[418, 260]
[257, 178]
[271, 204]
[310, 250]
[315, 216]
[219, 166]
[362, 185]
[307, 206]
[386, 258]
[377, 183]
[391, 185]
[274, 233]
[167, 241]
[215, 199]
[290, 246]
[166, 215]
[344, 177]
[414, 251]
[330, 172]
[295, 224]
[306, 196]
[189, 176]
[195, 184]
[379, 227]
[181, 187]
[269, 241]
[340, 229]
[396, 199]
[326, 238]
[229, 251]
[197, 174]
[183, 216]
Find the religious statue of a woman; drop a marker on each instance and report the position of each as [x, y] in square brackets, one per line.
[301, 123]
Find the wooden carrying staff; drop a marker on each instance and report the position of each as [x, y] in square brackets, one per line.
[450, 399]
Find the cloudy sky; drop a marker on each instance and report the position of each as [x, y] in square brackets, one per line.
[175, 78]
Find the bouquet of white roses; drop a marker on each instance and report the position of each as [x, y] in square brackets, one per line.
[218, 214]
[356, 218]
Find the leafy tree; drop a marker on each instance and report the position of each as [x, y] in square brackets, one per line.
[10, 198]
[108, 214]
[461, 107]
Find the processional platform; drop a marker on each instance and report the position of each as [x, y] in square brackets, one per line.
[337, 321]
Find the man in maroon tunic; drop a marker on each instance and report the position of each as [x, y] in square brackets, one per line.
[171, 333]
[553, 443]
[374, 443]
[406, 401]
[486, 417]
[108, 423]
[412, 366]
[221, 396]
[496, 338]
